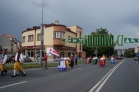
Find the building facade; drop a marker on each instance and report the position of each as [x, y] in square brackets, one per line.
[53, 35]
[136, 49]
[9, 43]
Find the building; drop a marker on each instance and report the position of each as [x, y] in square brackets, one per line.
[120, 51]
[9, 42]
[136, 49]
[53, 34]
[9, 36]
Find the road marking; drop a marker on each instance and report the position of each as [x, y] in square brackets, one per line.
[101, 80]
[104, 78]
[13, 84]
[99, 88]
[76, 69]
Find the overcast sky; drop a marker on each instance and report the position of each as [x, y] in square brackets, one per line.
[118, 16]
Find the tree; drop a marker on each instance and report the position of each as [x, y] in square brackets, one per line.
[130, 53]
[101, 50]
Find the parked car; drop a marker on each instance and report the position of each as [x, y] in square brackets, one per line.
[136, 59]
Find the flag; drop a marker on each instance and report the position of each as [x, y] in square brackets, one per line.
[53, 52]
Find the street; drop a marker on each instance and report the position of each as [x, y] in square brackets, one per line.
[120, 77]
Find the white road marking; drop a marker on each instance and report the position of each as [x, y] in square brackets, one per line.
[99, 88]
[106, 76]
[13, 84]
[76, 69]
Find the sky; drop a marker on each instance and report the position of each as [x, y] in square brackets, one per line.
[117, 16]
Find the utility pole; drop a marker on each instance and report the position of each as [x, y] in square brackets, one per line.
[42, 29]
[96, 50]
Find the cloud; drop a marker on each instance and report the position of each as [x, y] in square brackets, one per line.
[118, 16]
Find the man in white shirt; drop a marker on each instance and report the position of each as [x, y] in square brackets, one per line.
[3, 62]
[18, 63]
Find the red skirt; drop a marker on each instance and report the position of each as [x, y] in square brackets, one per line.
[102, 63]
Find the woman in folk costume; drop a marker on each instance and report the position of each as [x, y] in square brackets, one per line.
[62, 64]
[112, 60]
[104, 57]
[102, 63]
[18, 63]
[3, 62]
[67, 61]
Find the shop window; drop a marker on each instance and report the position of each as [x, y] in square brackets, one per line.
[31, 53]
[38, 51]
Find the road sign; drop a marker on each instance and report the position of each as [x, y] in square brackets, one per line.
[131, 40]
[96, 52]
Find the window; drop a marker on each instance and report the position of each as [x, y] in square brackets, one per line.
[38, 37]
[30, 38]
[23, 39]
[58, 34]
[68, 37]
[38, 51]
[31, 53]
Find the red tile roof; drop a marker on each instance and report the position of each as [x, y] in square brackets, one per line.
[8, 35]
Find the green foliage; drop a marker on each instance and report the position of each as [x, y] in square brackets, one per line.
[107, 50]
[130, 53]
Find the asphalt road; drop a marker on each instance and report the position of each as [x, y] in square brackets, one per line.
[120, 77]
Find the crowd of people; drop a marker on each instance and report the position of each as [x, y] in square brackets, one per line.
[18, 62]
[64, 62]
[67, 62]
[102, 60]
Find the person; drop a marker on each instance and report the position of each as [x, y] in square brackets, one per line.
[37, 56]
[112, 60]
[45, 61]
[62, 64]
[90, 59]
[3, 62]
[18, 63]
[115, 59]
[102, 63]
[21, 63]
[76, 59]
[71, 60]
[104, 58]
[67, 61]
[27, 56]
[94, 60]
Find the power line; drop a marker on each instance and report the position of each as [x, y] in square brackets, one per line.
[21, 16]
